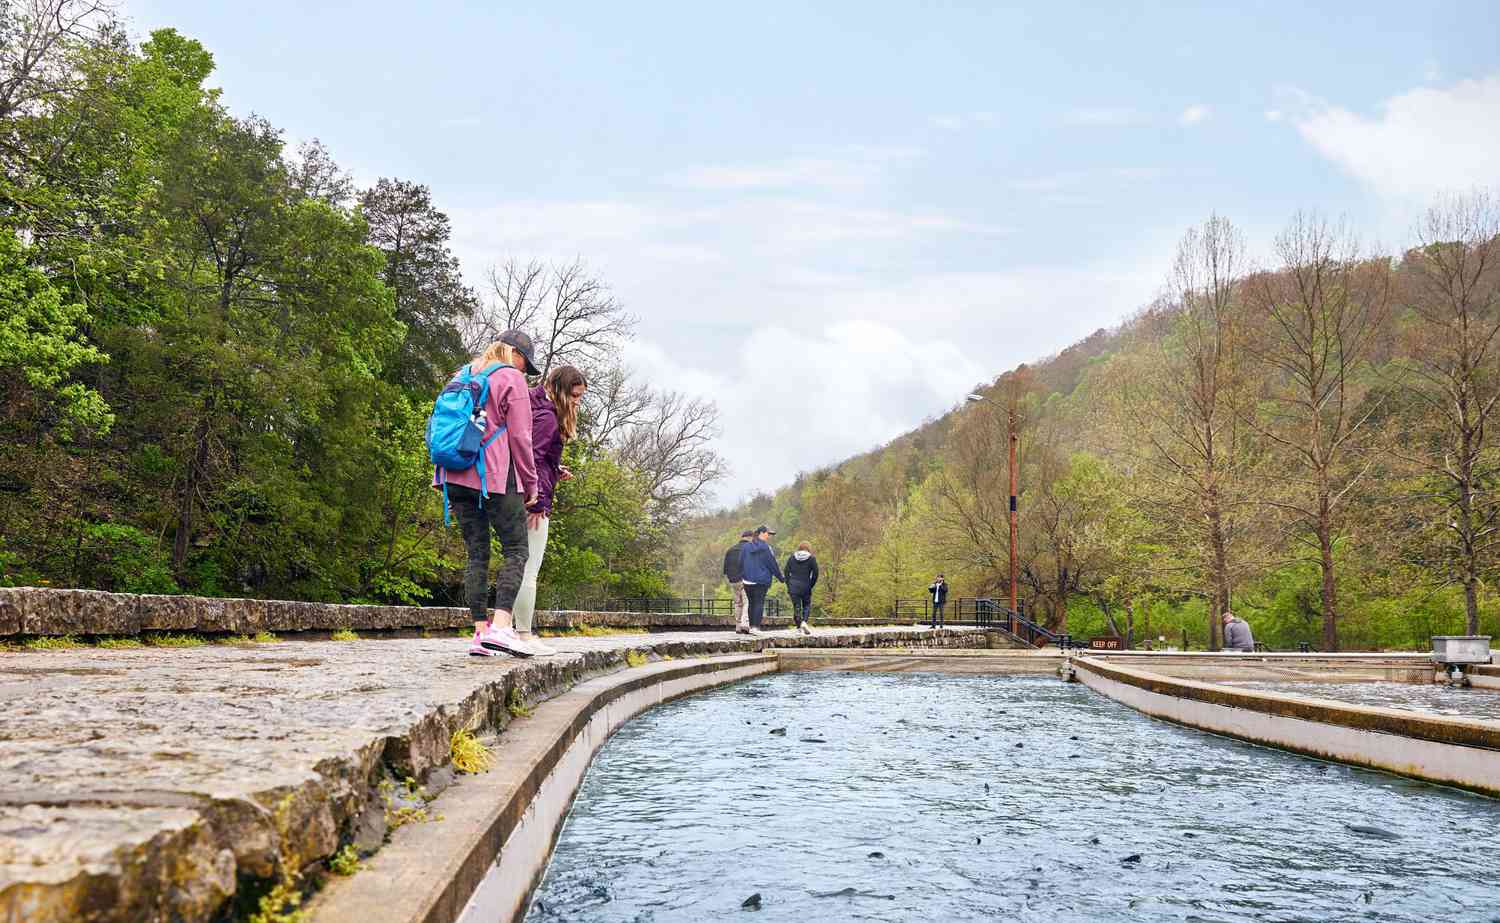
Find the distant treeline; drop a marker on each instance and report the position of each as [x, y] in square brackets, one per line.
[217, 356]
[1309, 443]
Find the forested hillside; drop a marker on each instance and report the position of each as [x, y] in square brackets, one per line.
[1308, 442]
[217, 355]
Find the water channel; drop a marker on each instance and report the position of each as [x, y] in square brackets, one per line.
[1433, 698]
[928, 797]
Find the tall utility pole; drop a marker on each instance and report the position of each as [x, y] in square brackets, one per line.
[1012, 438]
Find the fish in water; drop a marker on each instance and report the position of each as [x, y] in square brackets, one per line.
[752, 902]
[1019, 745]
[1131, 859]
[1376, 832]
[850, 892]
[778, 732]
[812, 740]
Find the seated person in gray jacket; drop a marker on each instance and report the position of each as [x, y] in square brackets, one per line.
[1237, 635]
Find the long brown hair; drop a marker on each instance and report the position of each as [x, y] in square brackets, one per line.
[560, 384]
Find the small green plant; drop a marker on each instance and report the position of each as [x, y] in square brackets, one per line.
[283, 903]
[119, 644]
[173, 640]
[52, 643]
[464, 633]
[344, 634]
[515, 704]
[635, 658]
[345, 862]
[239, 640]
[469, 755]
[264, 637]
[406, 814]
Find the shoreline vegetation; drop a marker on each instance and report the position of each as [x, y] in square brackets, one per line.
[217, 354]
[1307, 442]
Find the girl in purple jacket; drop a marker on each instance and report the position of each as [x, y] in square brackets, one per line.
[554, 421]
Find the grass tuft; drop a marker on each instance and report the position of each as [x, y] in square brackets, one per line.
[172, 640]
[52, 643]
[344, 634]
[345, 862]
[469, 755]
[515, 704]
[635, 658]
[119, 644]
[265, 637]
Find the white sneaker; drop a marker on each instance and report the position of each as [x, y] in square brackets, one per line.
[504, 640]
[535, 645]
[806, 629]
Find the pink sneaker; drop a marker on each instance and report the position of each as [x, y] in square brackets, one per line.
[504, 640]
[479, 650]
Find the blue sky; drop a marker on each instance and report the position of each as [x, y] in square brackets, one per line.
[833, 221]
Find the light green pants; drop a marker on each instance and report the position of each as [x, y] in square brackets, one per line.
[536, 543]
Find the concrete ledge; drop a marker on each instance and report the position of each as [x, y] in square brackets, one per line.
[484, 860]
[1277, 667]
[989, 662]
[1452, 751]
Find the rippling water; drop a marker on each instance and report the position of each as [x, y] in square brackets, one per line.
[1428, 697]
[966, 798]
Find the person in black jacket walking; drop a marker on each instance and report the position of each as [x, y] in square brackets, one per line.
[735, 574]
[801, 572]
[939, 590]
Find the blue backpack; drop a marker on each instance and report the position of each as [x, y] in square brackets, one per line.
[455, 431]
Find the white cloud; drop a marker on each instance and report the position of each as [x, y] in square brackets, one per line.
[955, 122]
[1094, 179]
[1274, 115]
[1102, 116]
[852, 168]
[1194, 114]
[1421, 142]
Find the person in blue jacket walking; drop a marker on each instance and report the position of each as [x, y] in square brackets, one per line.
[758, 568]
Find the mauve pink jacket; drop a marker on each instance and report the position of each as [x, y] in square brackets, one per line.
[510, 402]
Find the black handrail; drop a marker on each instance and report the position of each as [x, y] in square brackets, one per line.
[663, 605]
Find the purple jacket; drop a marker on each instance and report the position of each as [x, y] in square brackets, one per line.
[547, 444]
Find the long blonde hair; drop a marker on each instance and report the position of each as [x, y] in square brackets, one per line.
[499, 352]
[560, 384]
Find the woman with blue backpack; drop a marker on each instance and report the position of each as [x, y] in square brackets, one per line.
[479, 439]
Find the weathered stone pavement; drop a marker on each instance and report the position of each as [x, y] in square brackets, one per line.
[178, 783]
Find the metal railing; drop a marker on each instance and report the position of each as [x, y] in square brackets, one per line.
[659, 605]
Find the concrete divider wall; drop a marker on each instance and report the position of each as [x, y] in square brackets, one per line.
[1454, 751]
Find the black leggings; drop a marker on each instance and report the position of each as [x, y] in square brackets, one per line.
[801, 604]
[505, 514]
[756, 592]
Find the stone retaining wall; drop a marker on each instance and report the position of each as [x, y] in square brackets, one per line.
[34, 611]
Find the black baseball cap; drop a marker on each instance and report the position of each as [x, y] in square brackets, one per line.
[521, 341]
[767, 529]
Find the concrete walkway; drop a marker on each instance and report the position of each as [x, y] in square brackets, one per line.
[161, 783]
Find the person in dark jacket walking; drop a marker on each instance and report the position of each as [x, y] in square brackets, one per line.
[735, 574]
[801, 576]
[939, 590]
[758, 568]
[1237, 635]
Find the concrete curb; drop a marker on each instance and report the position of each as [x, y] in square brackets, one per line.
[1462, 752]
[487, 856]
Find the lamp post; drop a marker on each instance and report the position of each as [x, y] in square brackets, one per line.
[1011, 438]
